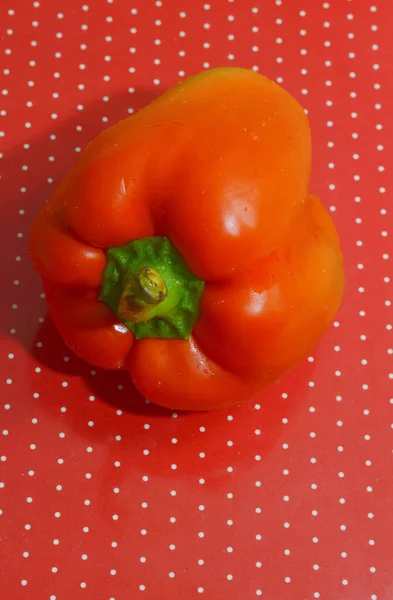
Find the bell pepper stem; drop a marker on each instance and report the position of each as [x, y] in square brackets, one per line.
[141, 295]
[147, 284]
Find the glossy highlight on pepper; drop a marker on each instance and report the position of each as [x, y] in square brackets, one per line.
[185, 245]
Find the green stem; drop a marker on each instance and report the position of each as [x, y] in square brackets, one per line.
[142, 294]
[149, 287]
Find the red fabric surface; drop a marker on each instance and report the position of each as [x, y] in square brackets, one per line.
[103, 496]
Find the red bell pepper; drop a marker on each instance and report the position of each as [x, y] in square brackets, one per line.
[185, 247]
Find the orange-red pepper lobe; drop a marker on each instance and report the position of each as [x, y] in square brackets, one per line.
[220, 165]
[284, 303]
[58, 255]
[88, 327]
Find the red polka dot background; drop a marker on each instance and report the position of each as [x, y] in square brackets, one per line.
[103, 495]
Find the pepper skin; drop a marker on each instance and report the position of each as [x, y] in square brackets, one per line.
[216, 173]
